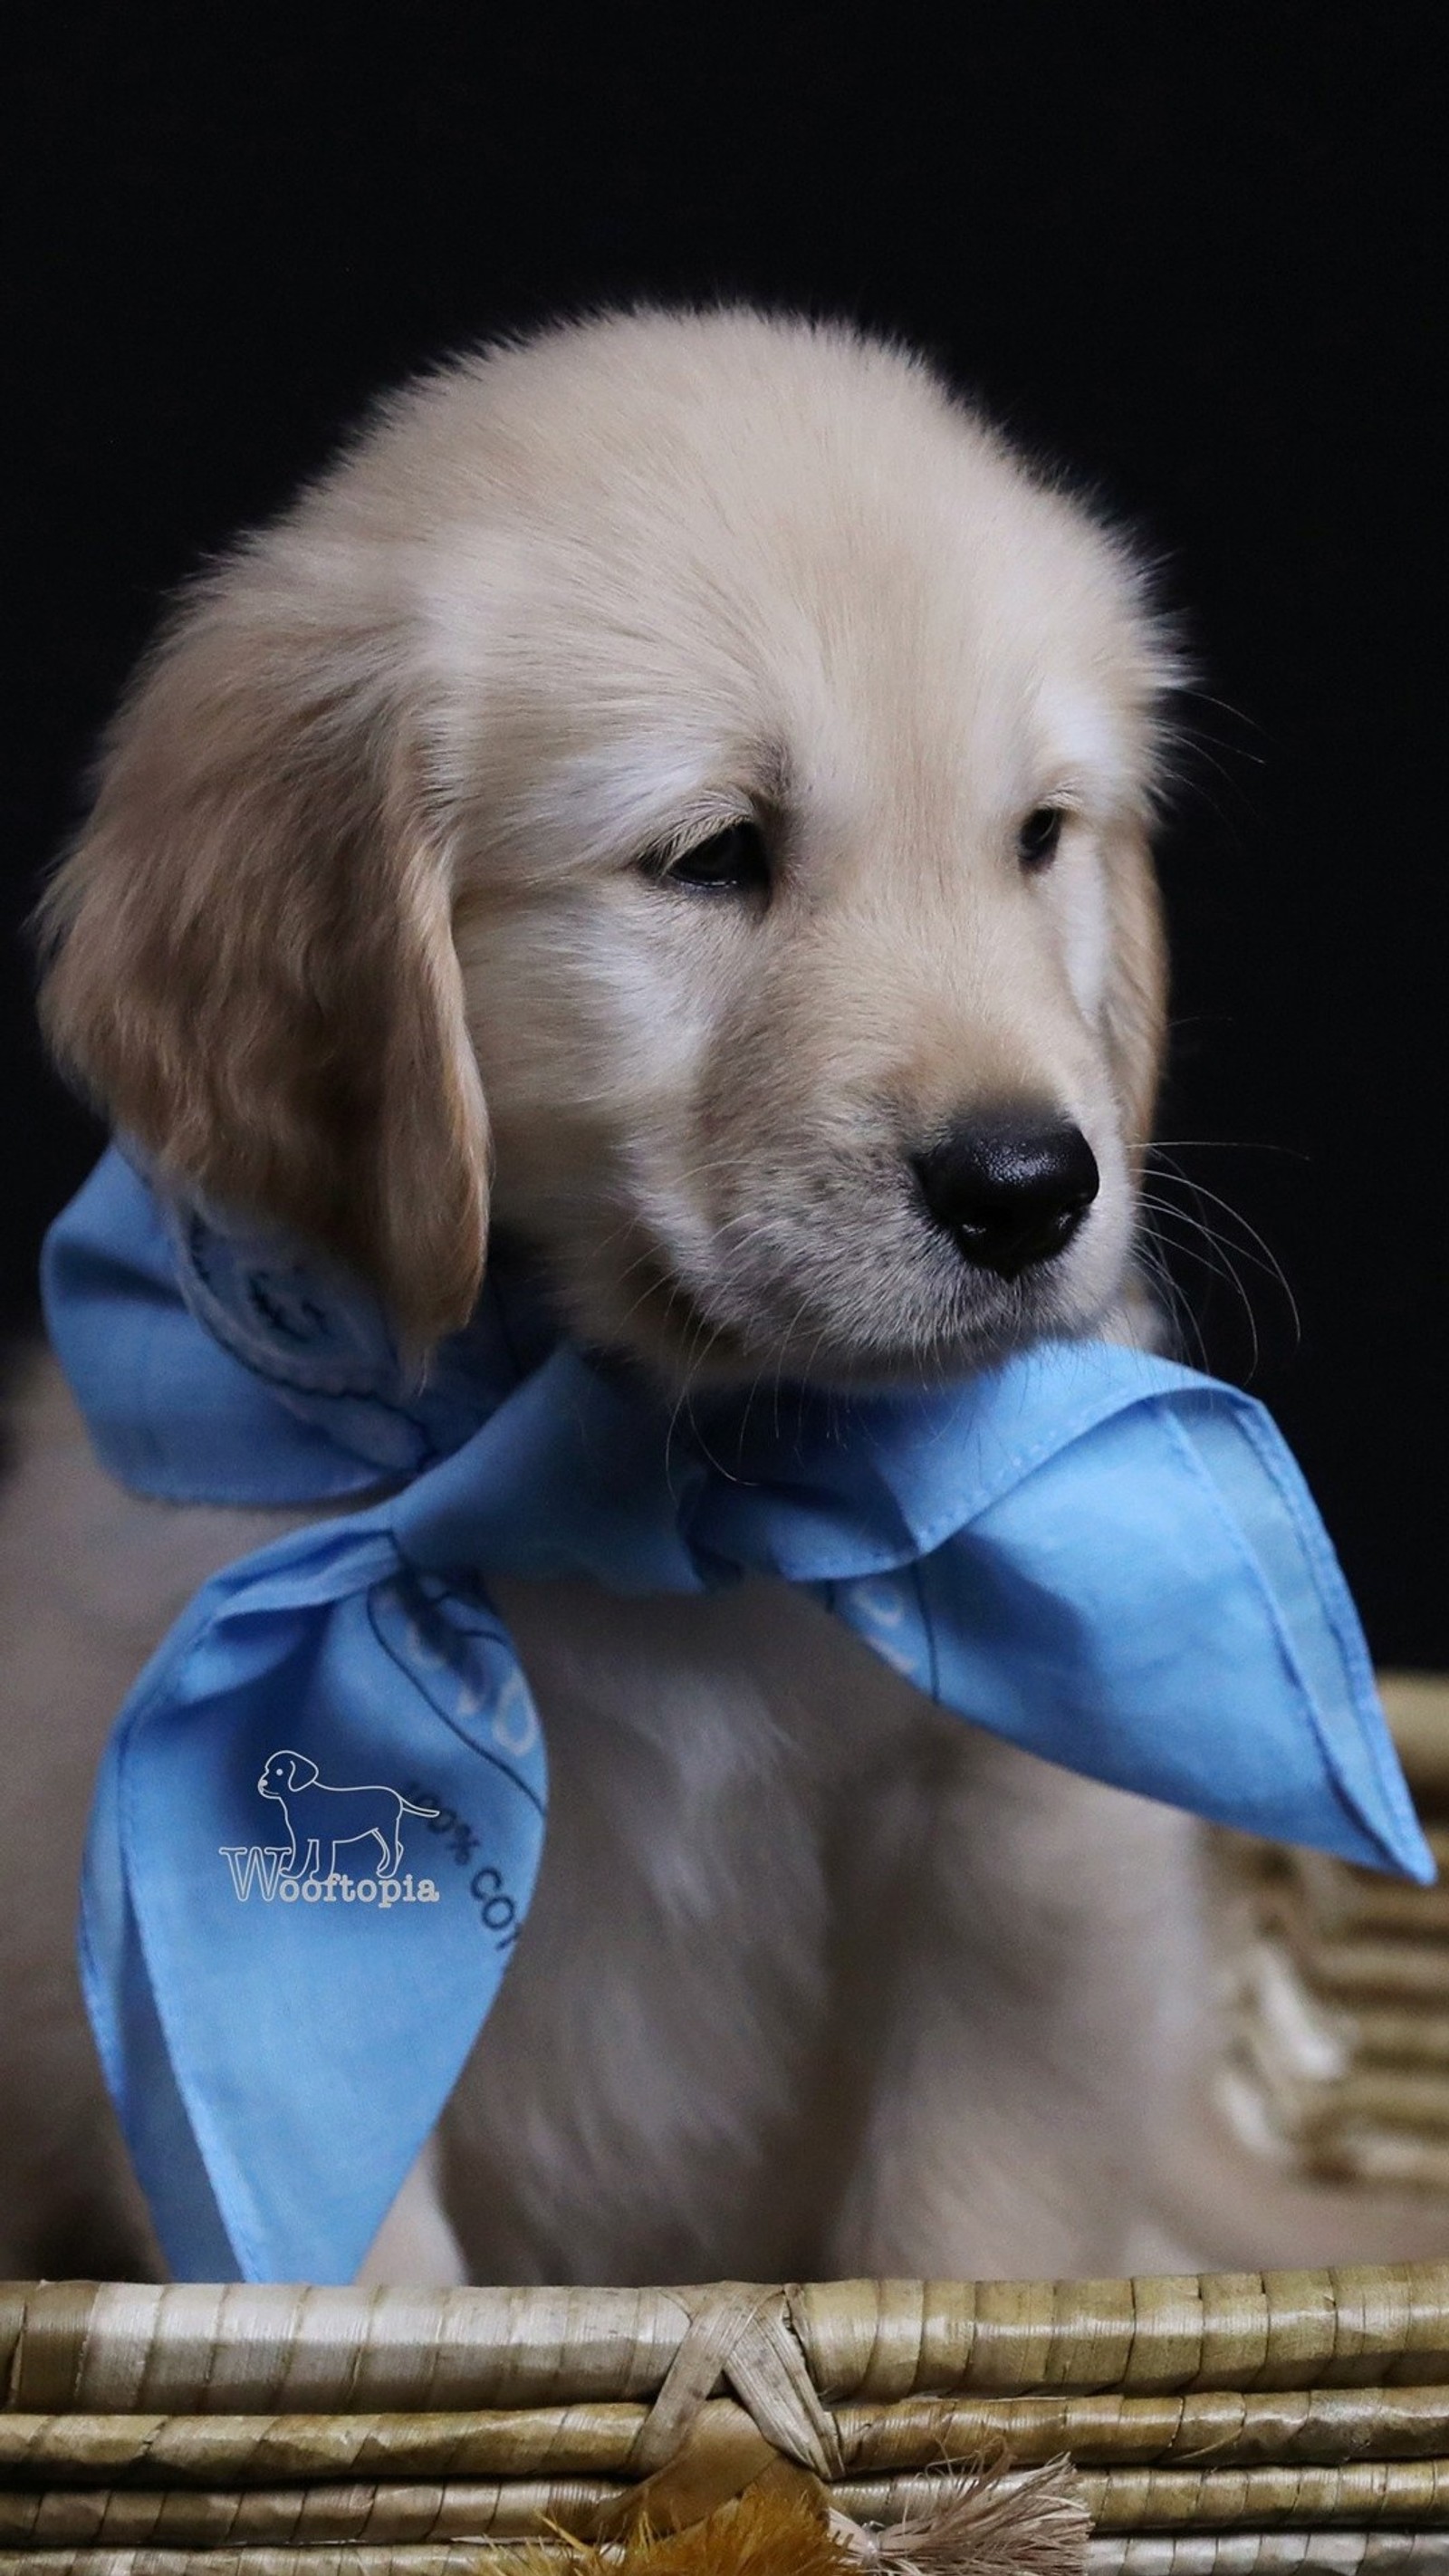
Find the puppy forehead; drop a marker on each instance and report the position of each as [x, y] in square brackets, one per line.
[684, 557]
[886, 728]
[830, 667]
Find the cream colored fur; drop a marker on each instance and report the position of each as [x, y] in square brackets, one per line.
[372, 930]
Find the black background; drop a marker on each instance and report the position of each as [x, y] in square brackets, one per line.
[1188, 251]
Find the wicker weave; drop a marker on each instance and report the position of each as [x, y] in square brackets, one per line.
[1338, 2059]
[271, 2429]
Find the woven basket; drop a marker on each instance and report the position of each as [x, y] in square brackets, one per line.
[1338, 2051]
[1180, 2427]
[1297, 2419]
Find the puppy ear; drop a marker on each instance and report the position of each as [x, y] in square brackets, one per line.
[1135, 1003]
[251, 966]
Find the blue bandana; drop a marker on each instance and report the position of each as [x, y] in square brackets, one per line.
[319, 1818]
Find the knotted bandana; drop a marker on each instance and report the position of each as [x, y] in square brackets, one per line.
[320, 1815]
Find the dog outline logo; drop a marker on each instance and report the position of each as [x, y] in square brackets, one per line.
[293, 1780]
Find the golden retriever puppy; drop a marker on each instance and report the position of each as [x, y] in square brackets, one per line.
[678, 791]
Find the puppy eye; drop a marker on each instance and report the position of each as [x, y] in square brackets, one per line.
[734, 861]
[1037, 840]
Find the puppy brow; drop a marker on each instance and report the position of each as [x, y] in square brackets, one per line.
[620, 802]
[1084, 759]
[774, 775]
[757, 793]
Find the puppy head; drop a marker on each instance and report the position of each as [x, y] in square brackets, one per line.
[285, 1773]
[699, 738]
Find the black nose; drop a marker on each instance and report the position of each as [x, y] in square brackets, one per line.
[1009, 1193]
